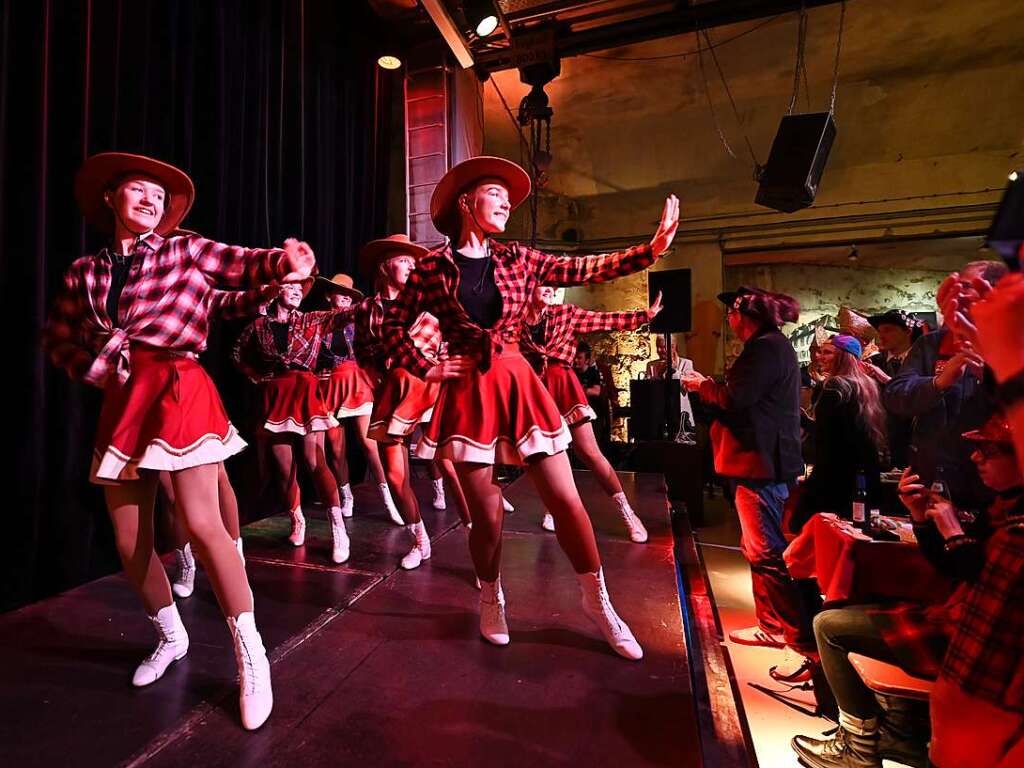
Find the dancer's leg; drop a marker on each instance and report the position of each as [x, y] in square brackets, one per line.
[130, 506]
[370, 448]
[552, 475]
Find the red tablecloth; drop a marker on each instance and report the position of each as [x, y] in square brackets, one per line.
[851, 567]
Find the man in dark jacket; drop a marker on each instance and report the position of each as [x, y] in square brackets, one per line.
[897, 332]
[941, 389]
[756, 441]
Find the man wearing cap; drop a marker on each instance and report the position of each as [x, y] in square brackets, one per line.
[940, 387]
[756, 440]
[896, 334]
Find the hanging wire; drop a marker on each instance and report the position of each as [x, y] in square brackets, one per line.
[839, 47]
[799, 66]
[736, 113]
[519, 131]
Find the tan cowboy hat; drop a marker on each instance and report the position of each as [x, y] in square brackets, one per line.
[340, 283]
[444, 203]
[101, 171]
[373, 253]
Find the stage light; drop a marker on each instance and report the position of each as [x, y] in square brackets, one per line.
[1014, 176]
[388, 61]
[481, 16]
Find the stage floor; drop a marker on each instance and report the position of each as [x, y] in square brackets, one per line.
[372, 665]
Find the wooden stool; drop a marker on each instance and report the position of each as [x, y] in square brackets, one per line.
[890, 680]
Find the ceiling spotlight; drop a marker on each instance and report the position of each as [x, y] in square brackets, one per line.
[481, 16]
[1014, 175]
[387, 61]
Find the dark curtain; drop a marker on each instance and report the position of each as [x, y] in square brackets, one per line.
[272, 107]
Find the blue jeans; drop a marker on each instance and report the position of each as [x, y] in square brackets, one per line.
[783, 606]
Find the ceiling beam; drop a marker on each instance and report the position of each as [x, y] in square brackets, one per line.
[667, 24]
[449, 31]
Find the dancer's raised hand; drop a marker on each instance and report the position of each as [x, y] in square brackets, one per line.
[299, 260]
[667, 228]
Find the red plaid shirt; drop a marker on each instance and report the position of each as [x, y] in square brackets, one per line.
[166, 302]
[368, 345]
[256, 353]
[564, 322]
[518, 270]
[986, 653]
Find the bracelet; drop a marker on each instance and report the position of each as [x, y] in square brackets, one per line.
[955, 542]
[1011, 391]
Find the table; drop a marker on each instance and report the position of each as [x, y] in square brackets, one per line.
[850, 567]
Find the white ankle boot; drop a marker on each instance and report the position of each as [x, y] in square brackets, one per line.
[298, 534]
[493, 626]
[241, 550]
[420, 547]
[507, 505]
[598, 608]
[347, 502]
[185, 578]
[339, 536]
[172, 644]
[389, 504]
[439, 501]
[548, 523]
[256, 698]
[637, 532]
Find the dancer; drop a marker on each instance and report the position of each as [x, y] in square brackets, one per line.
[278, 352]
[346, 390]
[403, 400]
[131, 320]
[554, 329]
[492, 407]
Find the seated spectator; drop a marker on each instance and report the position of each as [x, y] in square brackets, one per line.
[912, 636]
[940, 387]
[849, 434]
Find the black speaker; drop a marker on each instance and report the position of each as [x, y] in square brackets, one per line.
[676, 315]
[796, 162]
[653, 408]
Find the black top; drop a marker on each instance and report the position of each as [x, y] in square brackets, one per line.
[280, 331]
[538, 331]
[589, 376]
[478, 293]
[120, 266]
[842, 447]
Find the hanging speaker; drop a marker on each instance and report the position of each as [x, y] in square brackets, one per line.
[675, 315]
[796, 162]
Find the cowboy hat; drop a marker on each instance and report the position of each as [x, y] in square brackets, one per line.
[99, 173]
[444, 203]
[372, 254]
[340, 283]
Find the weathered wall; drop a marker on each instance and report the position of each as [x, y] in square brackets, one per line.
[929, 117]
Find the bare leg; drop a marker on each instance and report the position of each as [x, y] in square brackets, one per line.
[584, 443]
[396, 462]
[484, 499]
[370, 449]
[283, 456]
[552, 475]
[196, 492]
[228, 503]
[454, 488]
[130, 506]
[434, 470]
[338, 464]
[316, 463]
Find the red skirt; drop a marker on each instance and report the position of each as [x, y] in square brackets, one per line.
[347, 391]
[499, 417]
[292, 403]
[167, 416]
[568, 394]
[403, 402]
